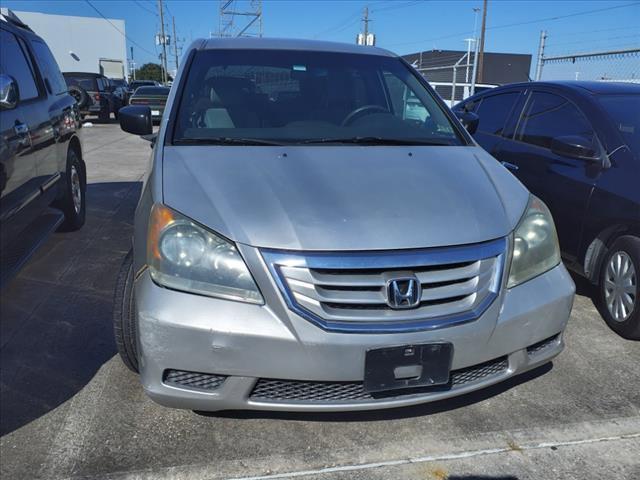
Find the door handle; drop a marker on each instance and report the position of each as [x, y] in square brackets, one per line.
[511, 166]
[22, 130]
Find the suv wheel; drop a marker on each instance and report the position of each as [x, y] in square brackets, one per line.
[620, 287]
[104, 114]
[124, 318]
[73, 204]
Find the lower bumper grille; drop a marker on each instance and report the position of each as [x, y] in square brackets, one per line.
[202, 381]
[328, 392]
[542, 345]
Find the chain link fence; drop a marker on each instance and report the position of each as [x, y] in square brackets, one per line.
[621, 65]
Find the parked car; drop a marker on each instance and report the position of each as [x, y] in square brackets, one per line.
[42, 173]
[576, 145]
[135, 84]
[154, 97]
[303, 244]
[92, 92]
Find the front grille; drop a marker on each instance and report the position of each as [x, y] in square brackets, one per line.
[272, 390]
[542, 345]
[202, 381]
[348, 291]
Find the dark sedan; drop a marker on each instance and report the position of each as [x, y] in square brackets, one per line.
[576, 145]
[153, 97]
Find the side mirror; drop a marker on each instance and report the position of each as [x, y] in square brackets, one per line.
[575, 146]
[469, 120]
[136, 119]
[8, 92]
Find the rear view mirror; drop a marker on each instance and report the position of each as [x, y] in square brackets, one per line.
[575, 146]
[469, 120]
[8, 92]
[136, 119]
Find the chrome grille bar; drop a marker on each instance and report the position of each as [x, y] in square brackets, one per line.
[346, 291]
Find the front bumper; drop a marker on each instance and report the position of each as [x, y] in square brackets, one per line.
[244, 343]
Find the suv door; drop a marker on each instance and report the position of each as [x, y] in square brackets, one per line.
[564, 184]
[19, 184]
[55, 109]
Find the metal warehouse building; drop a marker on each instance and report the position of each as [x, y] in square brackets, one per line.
[445, 68]
[82, 44]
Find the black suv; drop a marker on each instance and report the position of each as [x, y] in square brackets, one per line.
[576, 145]
[93, 92]
[41, 162]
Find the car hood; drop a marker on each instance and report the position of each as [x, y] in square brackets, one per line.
[344, 197]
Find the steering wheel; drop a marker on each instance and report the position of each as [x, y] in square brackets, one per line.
[360, 110]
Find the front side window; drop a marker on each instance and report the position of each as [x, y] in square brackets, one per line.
[306, 97]
[494, 112]
[547, 116]
[49, 67]
[13, 62]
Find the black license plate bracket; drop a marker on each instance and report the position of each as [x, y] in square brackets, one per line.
[407, 366]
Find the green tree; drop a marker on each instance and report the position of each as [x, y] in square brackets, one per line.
[151, 71]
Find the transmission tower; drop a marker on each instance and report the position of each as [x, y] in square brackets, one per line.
[240, 18]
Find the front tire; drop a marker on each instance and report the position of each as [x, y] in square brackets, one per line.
[124, 317]
[619, 287]
[73, 203]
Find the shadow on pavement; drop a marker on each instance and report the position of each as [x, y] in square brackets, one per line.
[393, 413]
[55, 322]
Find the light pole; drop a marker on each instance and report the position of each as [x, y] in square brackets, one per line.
[474, 75]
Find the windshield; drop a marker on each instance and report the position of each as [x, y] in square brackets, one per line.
[302, 97]
[623, 110]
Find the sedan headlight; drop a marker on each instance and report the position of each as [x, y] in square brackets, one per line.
[535, 244]
[185, 256]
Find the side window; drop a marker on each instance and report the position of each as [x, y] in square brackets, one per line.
[14, 62]
[547, 116]
[494, 111]
[49, 67]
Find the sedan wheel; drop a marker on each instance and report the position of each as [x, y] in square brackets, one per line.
[619, 287]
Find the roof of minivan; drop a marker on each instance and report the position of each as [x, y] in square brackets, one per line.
[289, 44]
[589, 86]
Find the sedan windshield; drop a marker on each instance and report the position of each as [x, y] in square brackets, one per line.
[293, 97]
[623, 110]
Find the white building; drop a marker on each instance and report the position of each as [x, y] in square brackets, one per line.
[82, 44]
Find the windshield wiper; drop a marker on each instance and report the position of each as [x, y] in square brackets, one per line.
[373, 141]
[225, 141]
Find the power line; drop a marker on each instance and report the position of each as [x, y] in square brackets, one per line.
[144, 8]
[528, 22]
[347, 22]
[121, 32]
[397, 5]
[596, 40]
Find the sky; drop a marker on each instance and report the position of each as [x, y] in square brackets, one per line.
[400, 25]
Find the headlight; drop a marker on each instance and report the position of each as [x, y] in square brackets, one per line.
[185, 256]
[535, 244]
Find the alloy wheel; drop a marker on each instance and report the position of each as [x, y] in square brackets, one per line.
[620, 283]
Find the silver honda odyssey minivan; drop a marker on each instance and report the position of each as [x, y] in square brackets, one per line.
[318, 232]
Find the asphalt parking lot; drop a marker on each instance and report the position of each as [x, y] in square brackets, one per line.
[70, 409]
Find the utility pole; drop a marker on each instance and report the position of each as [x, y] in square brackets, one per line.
[365, 20]
[163, 39]
[482, 33]
[133, 65]
[540, 63]
[175, 42]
